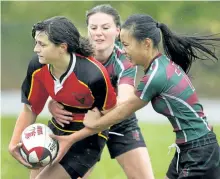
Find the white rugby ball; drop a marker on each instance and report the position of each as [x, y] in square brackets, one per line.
[38, 148]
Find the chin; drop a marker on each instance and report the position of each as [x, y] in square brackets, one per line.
[133, 63]
[130, 60]
[42, 61]
[100, 47]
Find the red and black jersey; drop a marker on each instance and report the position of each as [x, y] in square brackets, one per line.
[84, 85]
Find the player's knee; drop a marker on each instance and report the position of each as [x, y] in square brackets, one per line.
[166, 177]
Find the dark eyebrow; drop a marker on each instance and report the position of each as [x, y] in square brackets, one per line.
[40, 42]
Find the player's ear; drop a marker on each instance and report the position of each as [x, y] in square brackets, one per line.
[63, 47]
[147, 43]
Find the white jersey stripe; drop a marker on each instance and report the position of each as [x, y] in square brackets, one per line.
[172, 114]
[150, 79]
[121, 65]
[136, 68]
[187, 105]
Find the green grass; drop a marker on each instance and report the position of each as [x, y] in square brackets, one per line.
[157, 136]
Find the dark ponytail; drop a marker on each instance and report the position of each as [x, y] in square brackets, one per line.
[85, 47]
[183, 50]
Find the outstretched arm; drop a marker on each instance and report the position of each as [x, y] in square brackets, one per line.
[120, 113]
[95, 123]
[98, 123]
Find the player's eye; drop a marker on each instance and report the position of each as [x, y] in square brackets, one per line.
[93, 28]
[105, 28]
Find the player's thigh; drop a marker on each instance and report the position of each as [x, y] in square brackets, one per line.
[55, 171]
[34, 173]
[130, 138]
[136, 163]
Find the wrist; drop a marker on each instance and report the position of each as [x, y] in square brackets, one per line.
[81, 134]
[14, 143]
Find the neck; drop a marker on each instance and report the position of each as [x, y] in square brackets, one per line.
[150, 57]
[61, 65]
[103, 55]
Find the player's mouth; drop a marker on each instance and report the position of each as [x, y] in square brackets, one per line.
[99, 41]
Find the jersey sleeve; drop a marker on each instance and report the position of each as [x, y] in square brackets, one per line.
[128, 73]
[152, 83]
[102, 89]
[125, 70]
[33, 91]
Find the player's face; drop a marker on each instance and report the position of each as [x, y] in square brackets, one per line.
[47, 51]
[133, 49]
[102, 31]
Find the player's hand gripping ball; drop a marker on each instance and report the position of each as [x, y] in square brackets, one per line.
[38, 148]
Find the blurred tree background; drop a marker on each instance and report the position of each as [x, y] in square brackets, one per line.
[183, 17]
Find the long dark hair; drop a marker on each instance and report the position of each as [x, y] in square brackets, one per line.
[106, 9]
[183, 50]
[61, 30]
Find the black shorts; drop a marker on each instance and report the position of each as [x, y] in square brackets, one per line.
[132, 137]
[198, 159]
[82, 155]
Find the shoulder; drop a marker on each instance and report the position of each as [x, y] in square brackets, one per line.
[120, 57]
[89, 68]
[89, 62]
[158, 66]
[156, 72]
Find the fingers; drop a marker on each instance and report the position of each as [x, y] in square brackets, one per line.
[16, 154]
[56, 104]
[19, 145]
[59, 156]
[57, 109]
[95, 109]
[61, 124]
[57, 159]
[23, 162]
[65, 118]
[60, 106]
[54, 136]
[61, 121]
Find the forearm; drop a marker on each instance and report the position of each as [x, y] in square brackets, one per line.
[120, 113]
[115, 116]
[83, 133]
[25, 119]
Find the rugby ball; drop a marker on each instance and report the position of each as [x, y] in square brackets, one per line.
[38, 148]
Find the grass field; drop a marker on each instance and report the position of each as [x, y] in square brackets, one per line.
[157, 136]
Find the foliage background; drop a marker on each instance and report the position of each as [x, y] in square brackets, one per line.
[184, 17]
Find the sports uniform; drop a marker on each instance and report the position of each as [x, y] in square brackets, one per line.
[84, 85]
[126, 135]
[171, 93]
